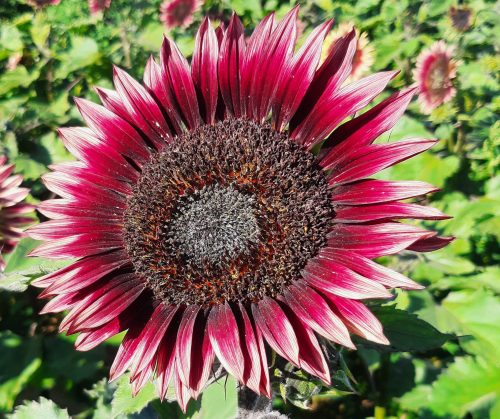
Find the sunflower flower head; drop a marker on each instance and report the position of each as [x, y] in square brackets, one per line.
[98, 6]
[434, 73]
[179, 13]
[13, 211]
[461, 18]
[204, 226]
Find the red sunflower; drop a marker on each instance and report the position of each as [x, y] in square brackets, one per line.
[97, 6]
[179, 13]
[12, 210]
[205, 227]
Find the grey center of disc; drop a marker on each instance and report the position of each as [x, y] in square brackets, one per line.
[214, 225]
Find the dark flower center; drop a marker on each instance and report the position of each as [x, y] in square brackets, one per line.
[227, 212]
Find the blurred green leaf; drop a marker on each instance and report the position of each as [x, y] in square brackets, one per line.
[83, 52]
[476, 314]
[18, 77]
[42, 409]
[20, 359]
[219, 400]
[467, 386]
[123, 403]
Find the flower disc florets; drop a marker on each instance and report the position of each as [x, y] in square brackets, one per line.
[229, 212]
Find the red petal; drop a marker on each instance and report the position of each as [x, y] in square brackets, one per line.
[232, 51]
[250, 349]
[331, 109]
[277, 329]
[166, 361]
[430, 244]
[376, 240]
[82, 273]
[256, 44]
[203, 358]
[109, 306]
[176, 69]
[113, 130]
[131, 341]
[105, 160]
[360, 319]
[99, 305]
[315, 312]
[364, 129]
[369, 269]
[329, 77]
[142, 108]
[90, 339]
[194, 353]
[265, 382]
[371, 159]
[388, 211]
[327, 276]
[112, 101]
[181, 391]
[78, 246]
[68, 208]
[297, 76]
[160, 87]
[276, 52]
[204, 69]
[310, 354]
[150, 339]
[375, 191]
[68, 186]
[224, 335]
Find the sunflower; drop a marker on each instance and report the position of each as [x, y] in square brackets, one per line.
[97, 6]
[206, 228]
[179, 13]
[433, 74]
[13, 212]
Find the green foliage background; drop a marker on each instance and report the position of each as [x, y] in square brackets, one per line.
[444, 360]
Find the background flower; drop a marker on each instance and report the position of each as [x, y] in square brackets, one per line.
[179, 13]
[97, 6]
[12, 210]
[434, 73]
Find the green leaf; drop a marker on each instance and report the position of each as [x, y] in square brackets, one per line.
[123, 403]
[476, 314]
[406, 332]
[21, 269]
[42, 409]
[299, 391]
[151, 37]
[219, 400]
[10, 38]
[18, 77]
[465, 387]
[40, 30]
[20, 359]
[83, 52]
[448, 263]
